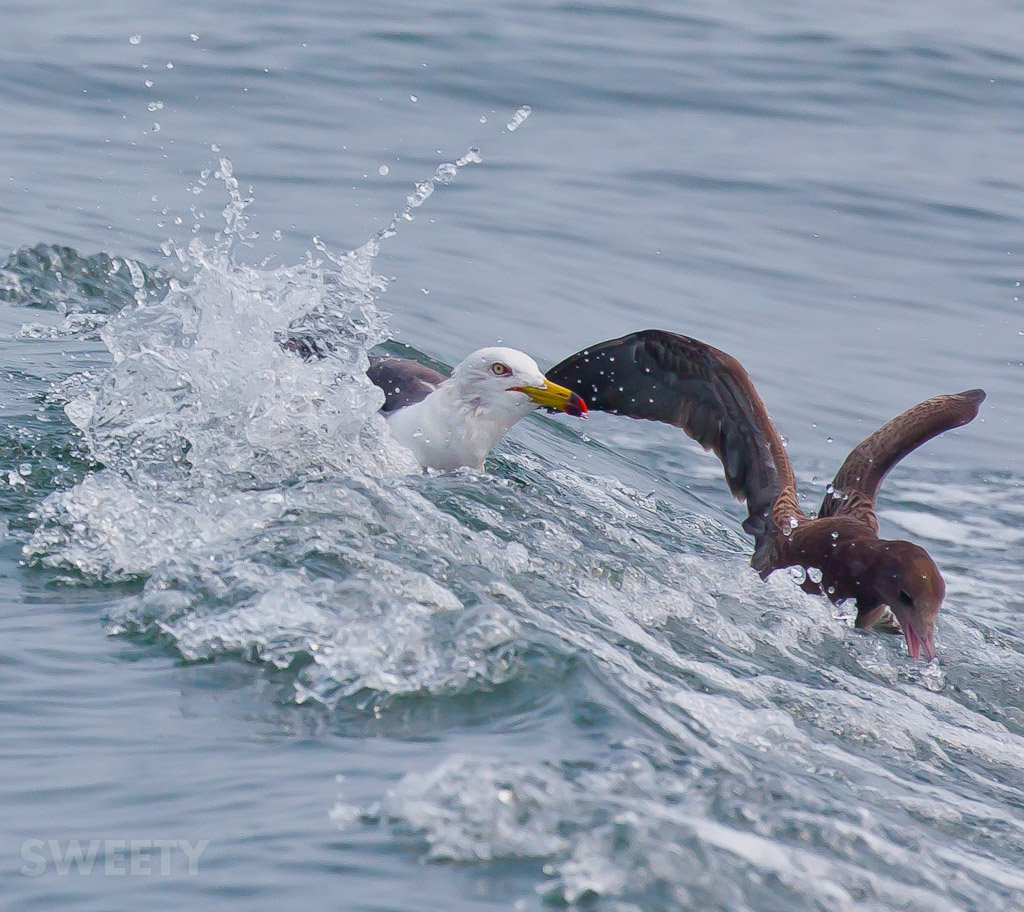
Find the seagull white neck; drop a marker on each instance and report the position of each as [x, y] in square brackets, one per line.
[452, 428]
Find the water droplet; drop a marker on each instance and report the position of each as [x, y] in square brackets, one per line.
[446, 172]
[420, 195]
[155, 128]
[517, 119]
[135, 39]
[413, 98]
[277, 235]
[814, 574]
[170, 65]
[835, 536]
[383, 170]
[149, 83]
[155, 105]
[25, 469]
[830, 488]
[483, 120]
[425, 290]
[194, 36]
[829, 440]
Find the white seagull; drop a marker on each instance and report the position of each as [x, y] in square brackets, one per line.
[454, 421]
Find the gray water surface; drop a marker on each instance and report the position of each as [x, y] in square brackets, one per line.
[233, 610]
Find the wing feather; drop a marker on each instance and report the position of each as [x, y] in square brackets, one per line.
[404, 381]
[857, 482]
[662, 376]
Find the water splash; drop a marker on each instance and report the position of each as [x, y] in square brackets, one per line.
[443, 175]
[223, 452]
[201, 395]
[519, 118]
[60, 279]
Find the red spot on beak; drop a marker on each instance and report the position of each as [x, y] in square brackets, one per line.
[576, 407]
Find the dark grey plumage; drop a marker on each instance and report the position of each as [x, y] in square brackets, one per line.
[405, 382]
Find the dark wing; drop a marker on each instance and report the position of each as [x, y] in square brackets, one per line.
[404, 382]
[860, 476]
[665, 377]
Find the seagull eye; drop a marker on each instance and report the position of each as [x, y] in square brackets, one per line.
[905, 598]
[500, 370]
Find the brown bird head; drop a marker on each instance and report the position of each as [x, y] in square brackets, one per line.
[906, 579]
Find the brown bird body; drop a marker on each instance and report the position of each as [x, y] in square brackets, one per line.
[677, 380]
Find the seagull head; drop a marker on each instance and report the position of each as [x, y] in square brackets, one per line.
[508, 384]
[465, 416]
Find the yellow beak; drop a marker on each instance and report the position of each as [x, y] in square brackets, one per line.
[555, 397]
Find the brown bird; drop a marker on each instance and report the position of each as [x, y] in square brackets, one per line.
[665, 377]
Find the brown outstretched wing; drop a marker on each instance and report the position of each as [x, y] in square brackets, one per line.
[857, 482]
[661, 376]
[404, 381]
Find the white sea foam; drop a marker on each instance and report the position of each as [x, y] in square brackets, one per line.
[641, 830]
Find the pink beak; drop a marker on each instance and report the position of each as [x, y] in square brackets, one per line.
[917, 643]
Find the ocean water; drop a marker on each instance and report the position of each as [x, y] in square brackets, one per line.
[236, 614]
